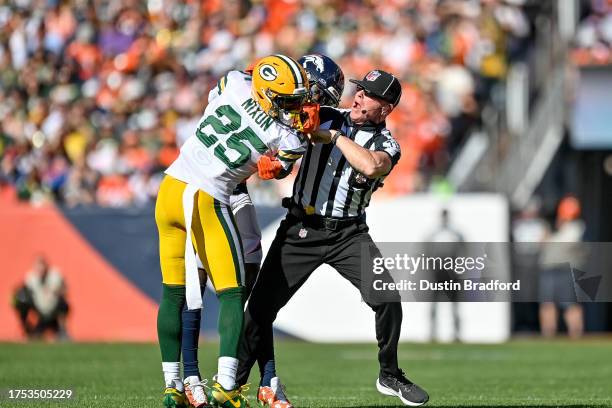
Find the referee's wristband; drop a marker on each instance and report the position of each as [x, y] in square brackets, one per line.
[335, 137]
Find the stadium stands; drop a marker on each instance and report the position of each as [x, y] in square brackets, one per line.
[97, 96]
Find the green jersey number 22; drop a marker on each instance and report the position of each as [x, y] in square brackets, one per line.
[236, 139]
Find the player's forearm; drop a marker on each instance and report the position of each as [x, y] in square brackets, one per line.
[369, 163]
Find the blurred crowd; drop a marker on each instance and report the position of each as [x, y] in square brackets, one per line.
[96, 96]
[593, 45]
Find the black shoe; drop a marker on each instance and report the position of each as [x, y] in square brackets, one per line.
[401, 387]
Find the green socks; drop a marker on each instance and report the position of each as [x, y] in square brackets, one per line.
[169, 318]
[231, 318]
[169, 322]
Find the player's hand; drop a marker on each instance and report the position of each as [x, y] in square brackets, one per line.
[320, 136]
[268, 167]
[309, 118]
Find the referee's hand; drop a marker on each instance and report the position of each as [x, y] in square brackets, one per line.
[321, 136]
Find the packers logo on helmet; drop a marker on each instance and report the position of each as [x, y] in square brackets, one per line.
[279, 85]
[268, 72]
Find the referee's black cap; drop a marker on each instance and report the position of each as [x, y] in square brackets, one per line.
[381, 84]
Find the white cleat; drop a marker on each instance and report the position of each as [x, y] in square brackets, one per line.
[195, 392]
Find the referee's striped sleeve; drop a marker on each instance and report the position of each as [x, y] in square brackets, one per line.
[384, 142]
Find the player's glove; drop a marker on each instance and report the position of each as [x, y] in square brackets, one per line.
[268, 167]
[309, 118]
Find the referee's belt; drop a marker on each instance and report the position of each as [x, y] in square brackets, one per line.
[318, 221]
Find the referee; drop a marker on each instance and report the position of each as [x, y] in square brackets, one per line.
[326, 223]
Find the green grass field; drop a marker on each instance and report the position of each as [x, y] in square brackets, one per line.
[520, 373]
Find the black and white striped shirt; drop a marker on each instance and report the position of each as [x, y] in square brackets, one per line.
[326, 184]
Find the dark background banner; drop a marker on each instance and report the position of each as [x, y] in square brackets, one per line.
[127, 238]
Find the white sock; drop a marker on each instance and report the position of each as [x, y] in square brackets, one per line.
[226, 374]
[194, 379]
[172, 375]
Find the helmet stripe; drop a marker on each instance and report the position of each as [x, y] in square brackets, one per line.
[295, 70]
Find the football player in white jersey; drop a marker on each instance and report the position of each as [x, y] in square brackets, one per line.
[248, 116]
[326, 82]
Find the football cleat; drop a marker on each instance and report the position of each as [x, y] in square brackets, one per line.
[220, 397]
[273, 396]
[265, 395]
[174, 398]
[195, 392]
[400, 386]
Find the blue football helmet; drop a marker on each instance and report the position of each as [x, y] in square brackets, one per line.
[325, 77]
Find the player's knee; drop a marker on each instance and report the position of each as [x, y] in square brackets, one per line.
[253, 254]
[261, 310]
[239, 201]
[173, 294]
[393, 308]
[232, 294]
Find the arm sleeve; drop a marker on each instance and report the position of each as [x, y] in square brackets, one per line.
[331, 118]
[291, 147]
